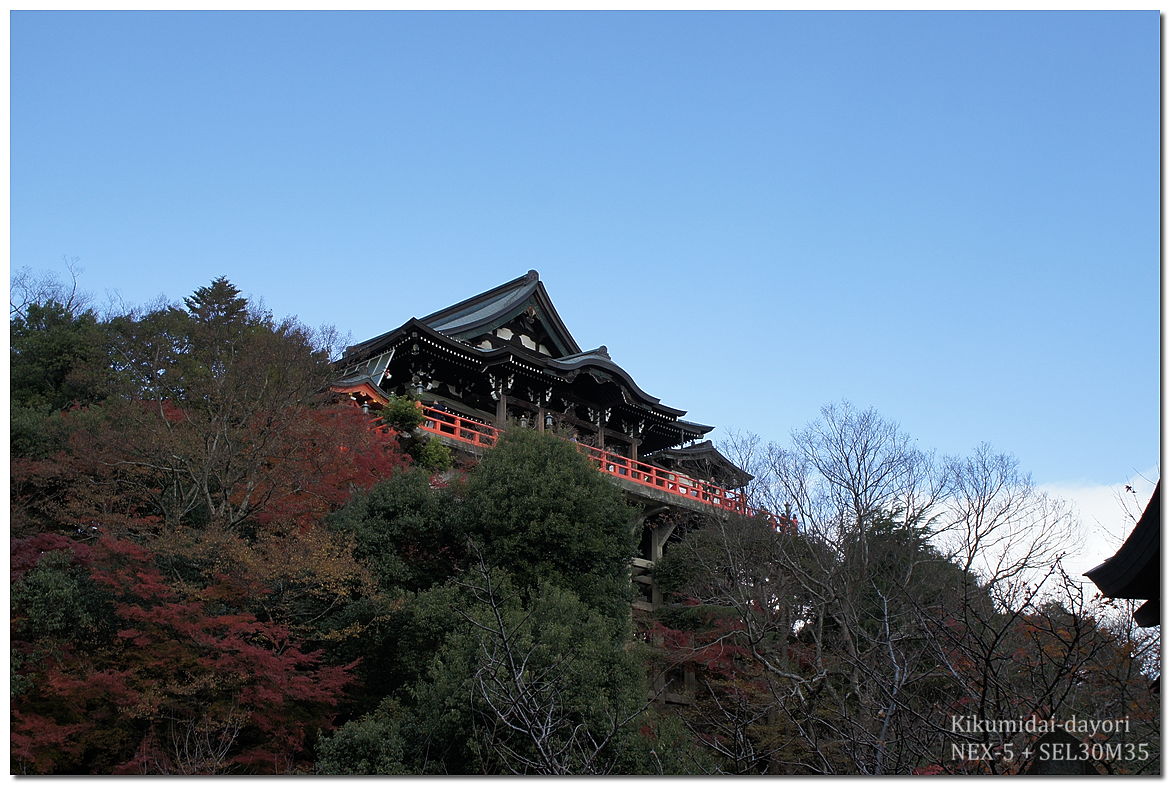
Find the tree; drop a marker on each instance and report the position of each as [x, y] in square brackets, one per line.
[407, 531]
[403, 415]
[544, 513]
[164, 683]
[521, 659]
[372, 744]
[223, 390]
[56, 357]
[218, 305]
[913, 591]
[997, 524]
[408, 535]
[534, 684]
[57, 361]
[194, 613]
[28, 288]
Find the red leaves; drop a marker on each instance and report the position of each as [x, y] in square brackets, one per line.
[37, 742]
[715, 648]
[173, 657]
[191, 572]
[198, 526]
[25, 553]
[342, 454]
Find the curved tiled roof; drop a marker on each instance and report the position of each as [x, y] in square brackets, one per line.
[475, 315]
[494, 307]
[1134, 571]
[599, 358]
[456, 325]
[707, 453]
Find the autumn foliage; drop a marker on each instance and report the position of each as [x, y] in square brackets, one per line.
[173, 682]
[217, 568]
[177, 597]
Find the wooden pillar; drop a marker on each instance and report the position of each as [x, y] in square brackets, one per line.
[599, 417]
[655, 595]
[658, 691]
[636, 432]
[541, 398]
[658, 537]
[501, 385]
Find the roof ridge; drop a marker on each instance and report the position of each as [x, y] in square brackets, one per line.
[528, 278]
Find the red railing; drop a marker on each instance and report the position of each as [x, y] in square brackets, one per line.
[459, 428]
[664, 480]
[481, 434]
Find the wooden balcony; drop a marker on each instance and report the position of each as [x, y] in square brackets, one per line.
[663, 484]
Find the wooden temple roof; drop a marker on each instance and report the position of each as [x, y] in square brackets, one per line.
[1134, 572]
[703, 460]
[512, 329]
[470, 318]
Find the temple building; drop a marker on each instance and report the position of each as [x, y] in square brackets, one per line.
[504, 358]
[506, 355]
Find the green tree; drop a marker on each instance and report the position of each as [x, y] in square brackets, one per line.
[522, 659]
[544, 683]
[545, 514]
[409, 535]
[218, 304]
[373, 744]
[404, 415]
[57, 360]
[56, 357]
[406, 531]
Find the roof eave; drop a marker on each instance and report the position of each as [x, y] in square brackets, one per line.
[530, 286]
[1132, 571]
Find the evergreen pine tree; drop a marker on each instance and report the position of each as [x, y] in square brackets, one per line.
[218, 303]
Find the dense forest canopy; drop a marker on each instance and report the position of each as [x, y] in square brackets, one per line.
[216, 567]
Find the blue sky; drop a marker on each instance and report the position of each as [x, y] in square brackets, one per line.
[951, 217]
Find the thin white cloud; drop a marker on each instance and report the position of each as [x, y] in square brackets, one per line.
[1107, 516]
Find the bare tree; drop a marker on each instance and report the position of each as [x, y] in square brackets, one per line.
[850, 465]
[997, 524]
[913, 590]
[28, 287]
[191, 746]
